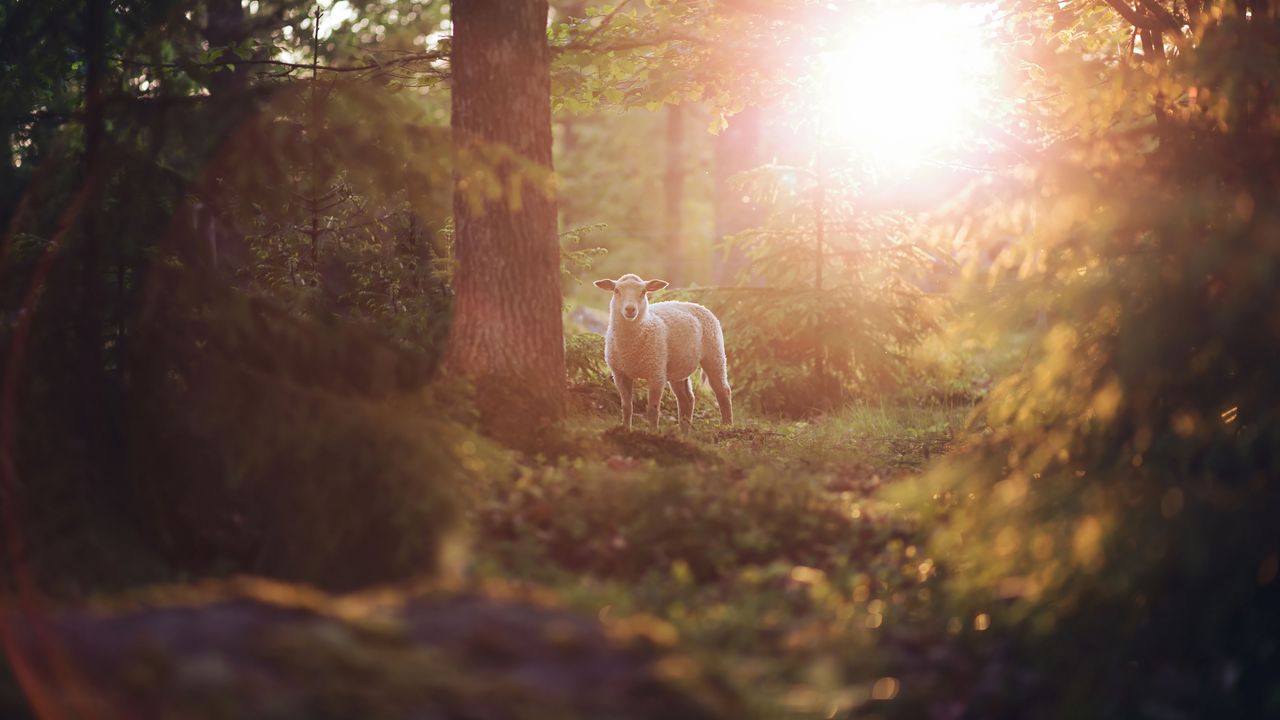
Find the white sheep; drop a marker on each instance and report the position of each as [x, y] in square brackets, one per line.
[663, 343]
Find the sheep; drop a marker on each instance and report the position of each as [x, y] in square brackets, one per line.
[662, 343]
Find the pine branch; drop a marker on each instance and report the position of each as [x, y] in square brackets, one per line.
[1168, 19]
[605, 22]
[407, 59]
[1151, 16]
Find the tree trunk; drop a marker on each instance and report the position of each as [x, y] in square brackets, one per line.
[572, 10]
[225, 26]
[737, 149]
[507, 335]
[673, 187]
[819, 261]
[91, 317]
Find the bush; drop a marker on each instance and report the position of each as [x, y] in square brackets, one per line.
[1115, 518]
[584, 360]
[248, 440]
[625, 518]
[268, 444]
[797, 347]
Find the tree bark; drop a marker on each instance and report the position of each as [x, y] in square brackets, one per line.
[225, 26]
[91, 316]
[673, 189]
[507, 335]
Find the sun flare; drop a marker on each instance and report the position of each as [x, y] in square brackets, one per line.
[906, 83]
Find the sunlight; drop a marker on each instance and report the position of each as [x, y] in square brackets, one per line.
[906, 83]
[335, 12]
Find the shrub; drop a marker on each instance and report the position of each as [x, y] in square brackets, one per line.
[625, 518]
[268, 444]
[584, 360]
[249, 440]
[816, 324]
[1115, 518]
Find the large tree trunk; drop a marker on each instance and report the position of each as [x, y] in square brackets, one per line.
[507, 335]
[90, 322]
[737, 149]
[225, 26]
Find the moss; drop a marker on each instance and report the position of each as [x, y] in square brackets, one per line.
[664, 449]
[258, 650]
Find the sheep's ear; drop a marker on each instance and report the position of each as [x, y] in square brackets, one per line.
[653, 285]
[606, 284]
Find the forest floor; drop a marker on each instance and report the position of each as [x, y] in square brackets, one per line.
[767, 548]
[757, 571]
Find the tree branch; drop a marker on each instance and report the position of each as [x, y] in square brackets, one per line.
[636, 43]
[1142, 19]
[403, 60]
[1168, 19]
[607, 19]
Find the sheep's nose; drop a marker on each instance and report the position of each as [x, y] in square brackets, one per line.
[630, 312]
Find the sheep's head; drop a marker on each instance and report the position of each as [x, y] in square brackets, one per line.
[630, 295]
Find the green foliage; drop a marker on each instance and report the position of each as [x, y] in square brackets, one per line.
[328, 227]
[715, 503]
[574, 258]
[1115, 517]
[584, 360]
[605, 56]
[762, 543]
[241, 309]
[711, 523]
[954, 367]
[287, 449]
[796, 348]
[611, 180]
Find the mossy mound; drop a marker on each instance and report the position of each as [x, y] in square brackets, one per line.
[258, 650]
[663, 449]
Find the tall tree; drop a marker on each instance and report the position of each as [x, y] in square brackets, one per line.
[737, 149]
[507, 334]
[673, 192]
[90, 320]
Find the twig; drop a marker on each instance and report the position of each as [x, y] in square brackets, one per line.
[1151, 16]
[404, 60]
[1170, 20]
[607, 19]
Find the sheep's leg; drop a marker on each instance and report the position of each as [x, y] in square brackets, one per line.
[656, 386]
[624, 385]
[719, 381]
[683, 390]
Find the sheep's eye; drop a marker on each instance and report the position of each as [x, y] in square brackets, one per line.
[617, 292]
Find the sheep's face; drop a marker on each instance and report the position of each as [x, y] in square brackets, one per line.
[630, 296]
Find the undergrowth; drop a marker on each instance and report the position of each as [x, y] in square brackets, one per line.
[765, 543]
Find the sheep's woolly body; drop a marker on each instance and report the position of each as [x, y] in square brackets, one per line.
[670, 344]
[666, 342]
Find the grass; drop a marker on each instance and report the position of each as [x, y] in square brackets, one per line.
[763, 555]
[765, 546]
